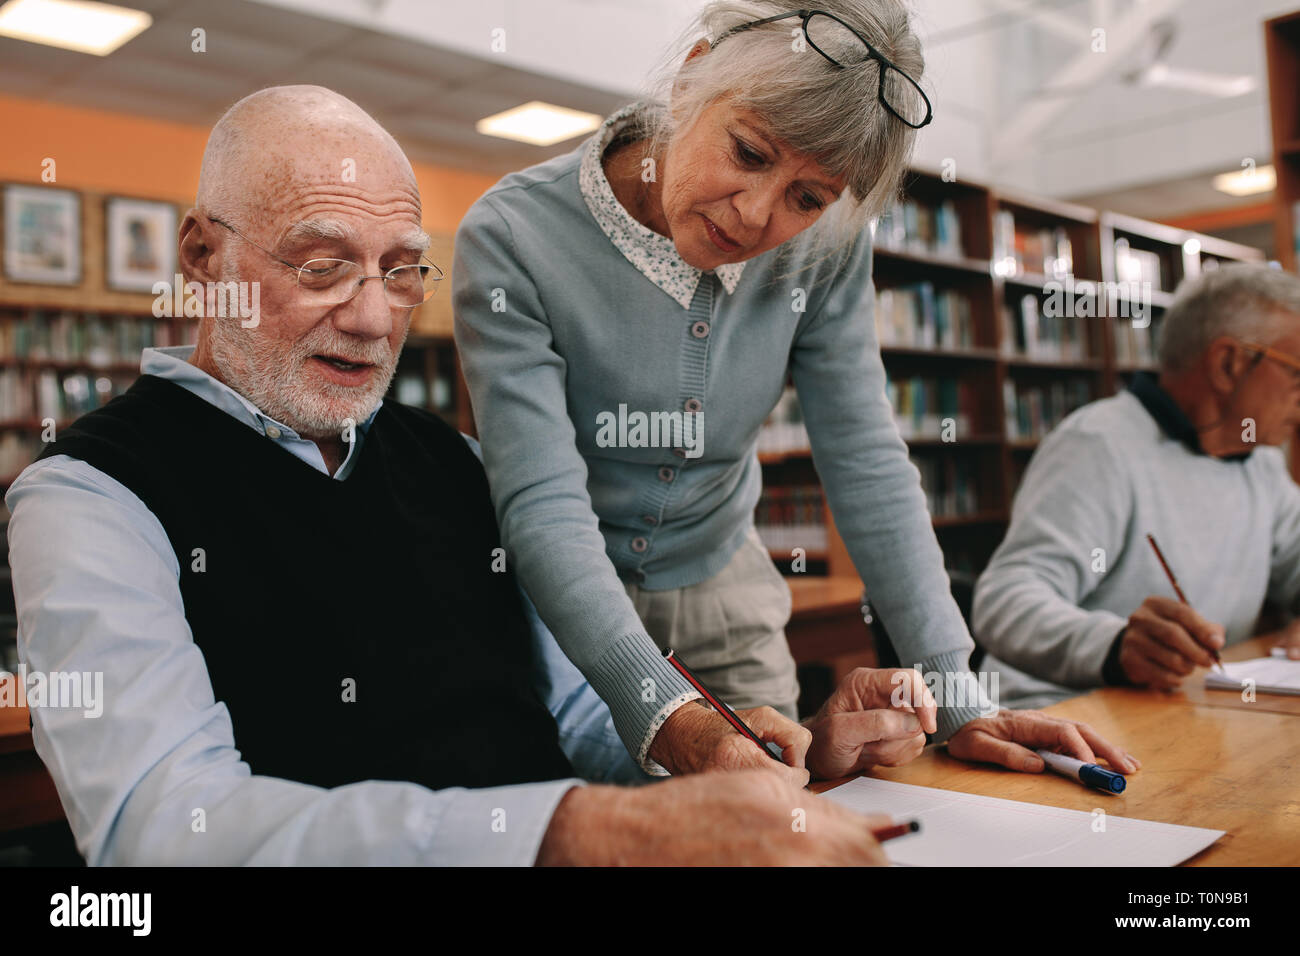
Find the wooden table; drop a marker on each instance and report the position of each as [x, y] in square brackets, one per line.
[27, 794]
[826, 624]
[1208, 760]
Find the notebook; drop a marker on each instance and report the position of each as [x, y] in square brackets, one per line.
[1276, 674]
[963, 829]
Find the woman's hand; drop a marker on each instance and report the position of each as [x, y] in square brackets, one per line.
[875, 717]
[697, 738]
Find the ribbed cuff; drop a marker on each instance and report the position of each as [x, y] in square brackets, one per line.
[642, 690]
[1112, 672]
[959, 694]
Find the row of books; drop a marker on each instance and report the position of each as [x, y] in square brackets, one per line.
[917, 316]
[792, 516]
[917, 227]
[1134, 344]
[784, 430]
[1034, 410]
[922, 404]
[1018, 249]
[39, 394]
[1137, 265]
[1030, 331]
[951, 484]
[93, 338]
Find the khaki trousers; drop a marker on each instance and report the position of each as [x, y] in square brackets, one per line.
[730, 629]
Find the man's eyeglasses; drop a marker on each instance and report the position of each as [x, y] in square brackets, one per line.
[329, 282]
[1264, 351]
[842, 45]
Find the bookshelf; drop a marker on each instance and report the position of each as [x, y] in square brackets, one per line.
[998, 314]
[1282, 55]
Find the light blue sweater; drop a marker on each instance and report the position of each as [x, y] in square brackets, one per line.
[556, 329]
[1076, 563]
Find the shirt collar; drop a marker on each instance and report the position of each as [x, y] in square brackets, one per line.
[1169, 415]
[173, 364]
[653, 255]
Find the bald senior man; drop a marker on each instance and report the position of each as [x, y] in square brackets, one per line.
[287, 582]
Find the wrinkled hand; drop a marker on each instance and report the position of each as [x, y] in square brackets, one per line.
[1165, 641]
[875, 717]
[748, 818]
[1011, 737]
[697, 738]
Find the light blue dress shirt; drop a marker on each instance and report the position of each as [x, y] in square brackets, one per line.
[158, 779]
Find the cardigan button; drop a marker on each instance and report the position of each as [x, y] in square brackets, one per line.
[700, 329]
[693, 405]
[665, 473]
[639, 544]
[650, 520]
[679, 452]
[272, 432]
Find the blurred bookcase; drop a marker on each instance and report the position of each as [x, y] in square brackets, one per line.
[997, 314]
[1282, 54]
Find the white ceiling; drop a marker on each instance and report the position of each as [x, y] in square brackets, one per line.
[427, 70]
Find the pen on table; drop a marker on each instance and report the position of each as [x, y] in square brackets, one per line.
[773, 750]
[901, 829]
[1088, 774]
[1179, 591]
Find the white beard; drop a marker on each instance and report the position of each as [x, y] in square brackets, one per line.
[281, 386]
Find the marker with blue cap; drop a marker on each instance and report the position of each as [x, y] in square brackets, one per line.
[1088, 774]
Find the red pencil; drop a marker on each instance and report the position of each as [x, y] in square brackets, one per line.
[771, 748]
[1179, 591]
[902, 829]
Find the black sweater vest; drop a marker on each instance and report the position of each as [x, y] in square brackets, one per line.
[305, 583]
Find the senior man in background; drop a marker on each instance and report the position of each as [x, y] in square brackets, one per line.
[1075, 596]
[287, 581]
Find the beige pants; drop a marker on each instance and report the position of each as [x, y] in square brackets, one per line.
[730, 629]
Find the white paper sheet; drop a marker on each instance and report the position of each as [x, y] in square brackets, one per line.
[1272, 675]
[962, 829]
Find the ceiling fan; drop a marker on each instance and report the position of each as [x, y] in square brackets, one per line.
[1152, 70]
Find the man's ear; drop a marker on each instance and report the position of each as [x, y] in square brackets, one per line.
[196, 256]
[1223, 365]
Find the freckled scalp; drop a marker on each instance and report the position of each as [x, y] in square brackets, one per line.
[275, 143]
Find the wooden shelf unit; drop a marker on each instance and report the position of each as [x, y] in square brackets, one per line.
[1282, 54]
[996, 458]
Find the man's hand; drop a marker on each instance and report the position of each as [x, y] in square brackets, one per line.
[859, 725]
[1011, 738]
[697, 738]
[712, 819]
[1164, 641]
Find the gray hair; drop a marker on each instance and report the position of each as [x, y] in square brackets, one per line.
[1251, 302]
[809, 104]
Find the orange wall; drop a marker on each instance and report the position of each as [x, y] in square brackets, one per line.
[131, 155]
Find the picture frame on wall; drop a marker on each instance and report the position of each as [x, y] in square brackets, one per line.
[140, 243]
[42, 235]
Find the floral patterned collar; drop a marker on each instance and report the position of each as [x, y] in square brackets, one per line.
[653, 255]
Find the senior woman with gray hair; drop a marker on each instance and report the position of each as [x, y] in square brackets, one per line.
[1075, 597]
[675, 268]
